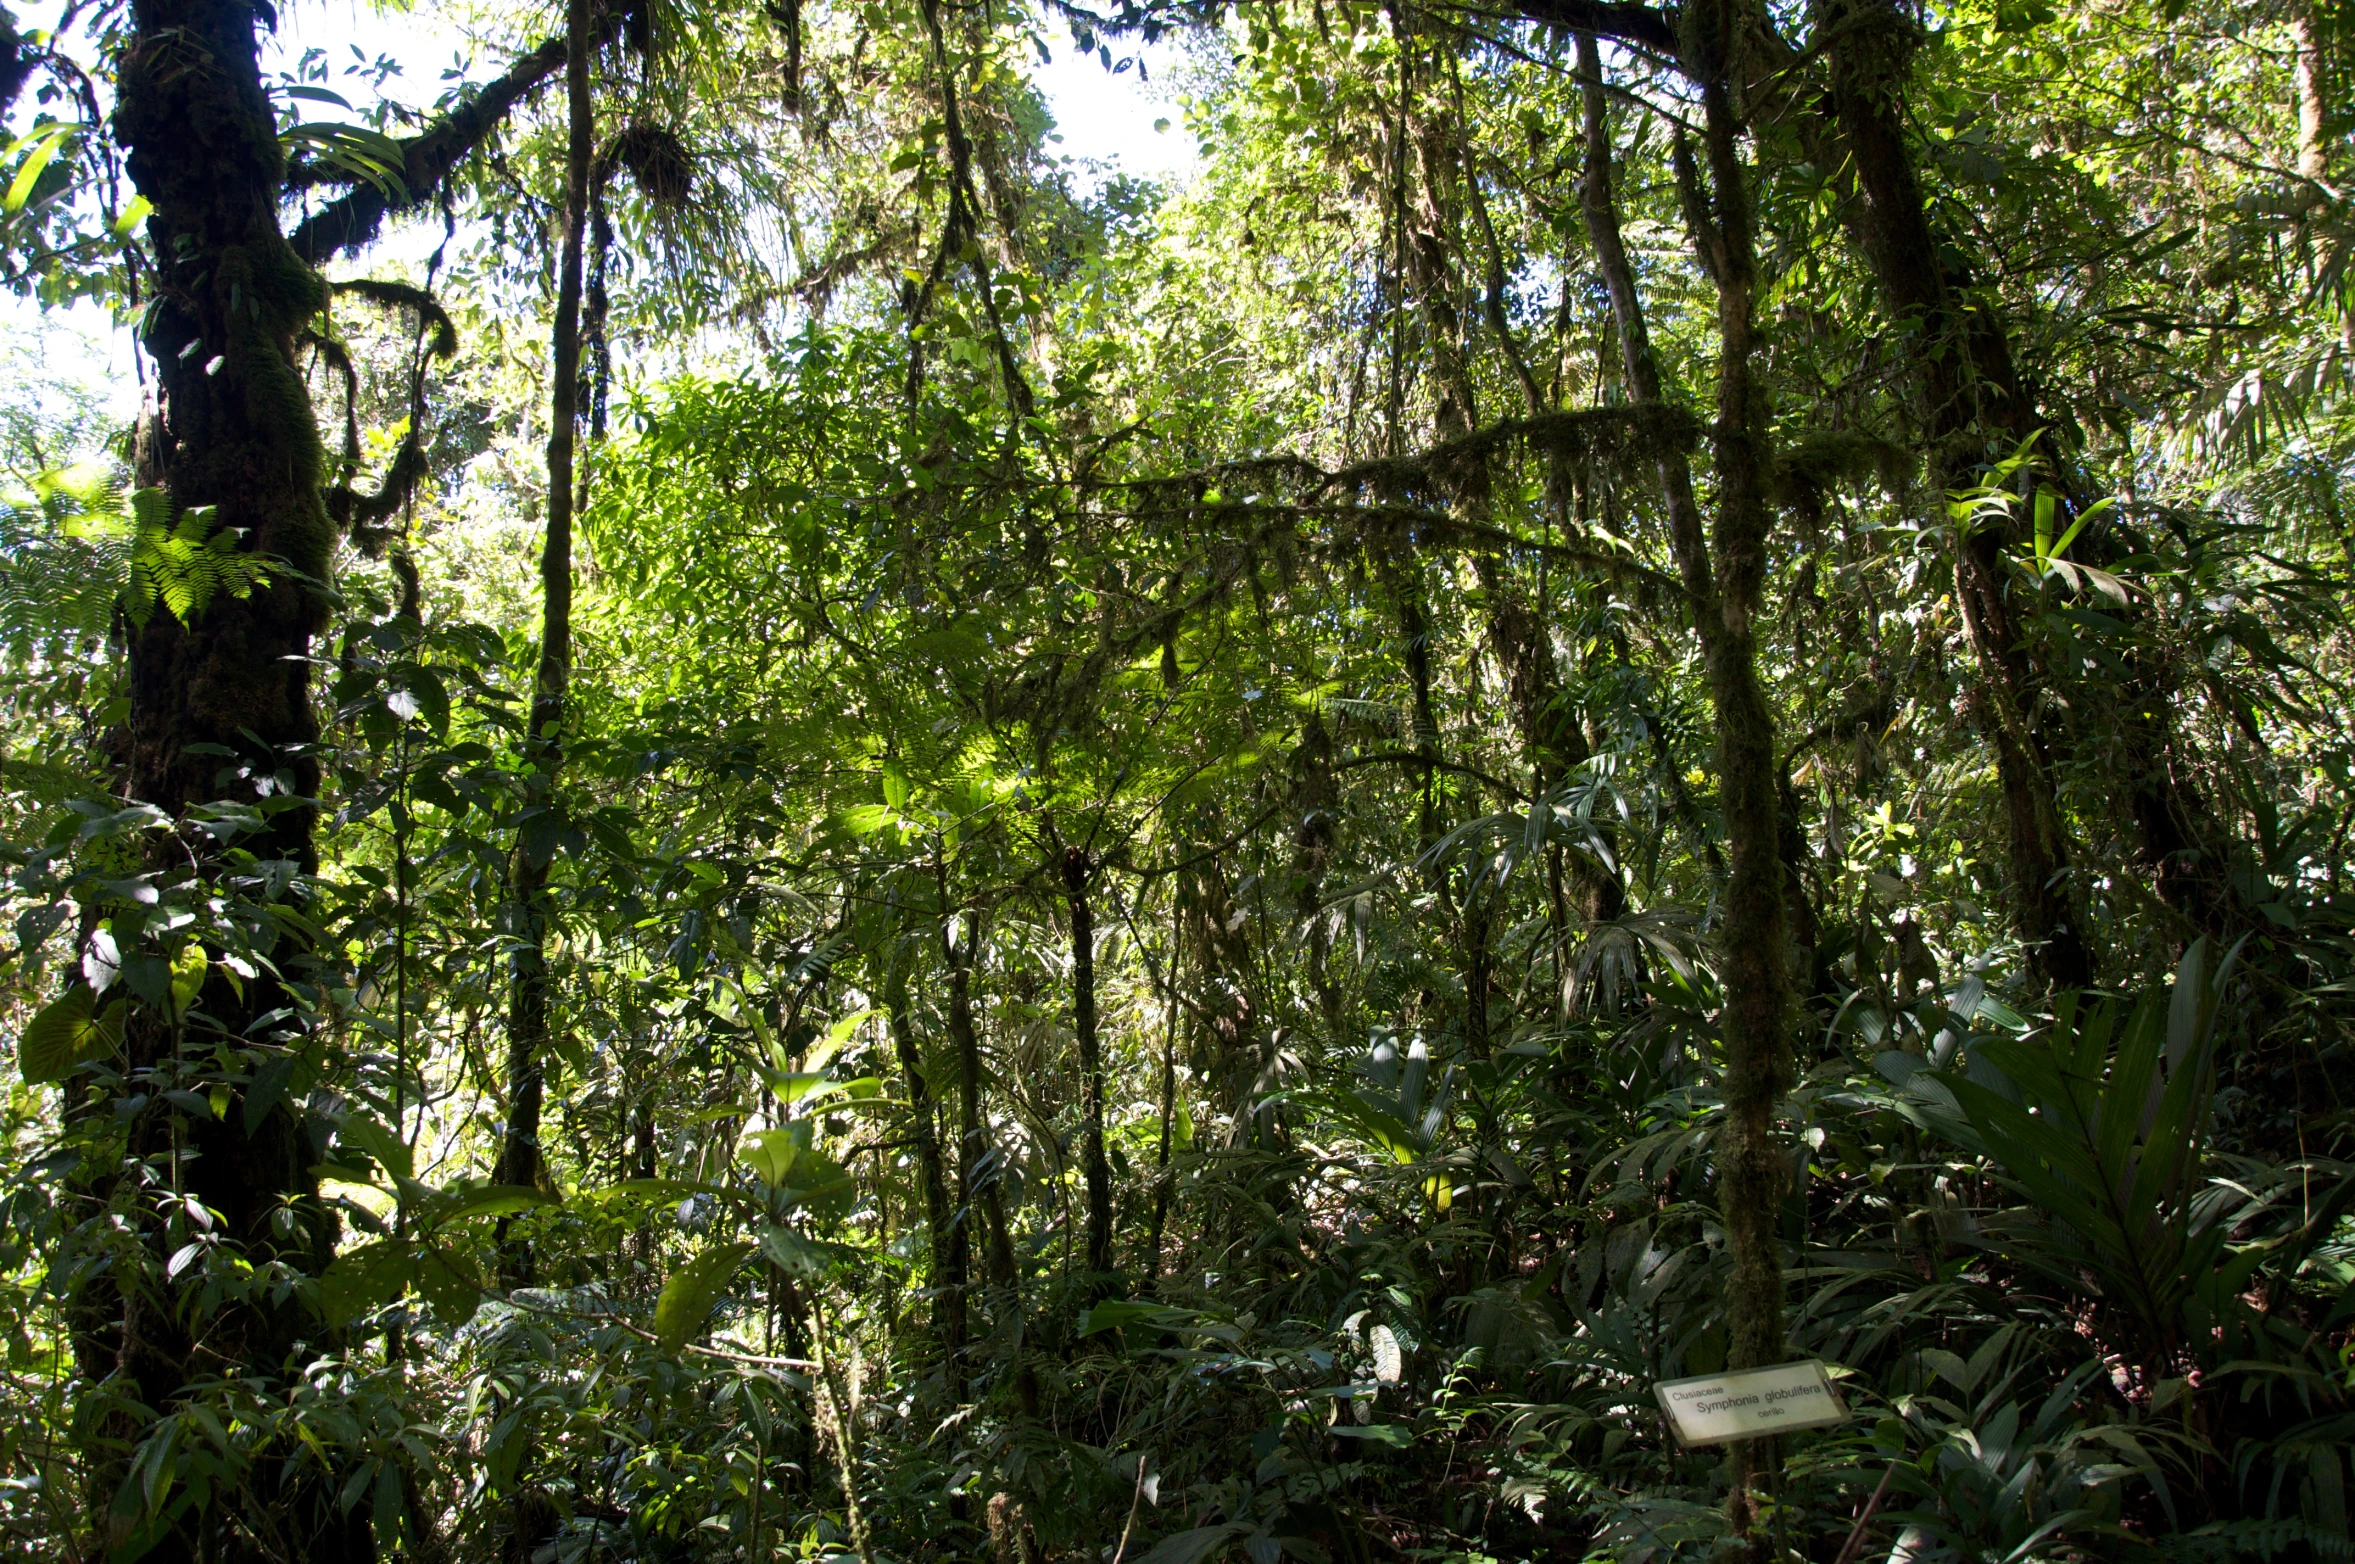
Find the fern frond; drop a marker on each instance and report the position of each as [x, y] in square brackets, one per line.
[184, 565]
[63, 560]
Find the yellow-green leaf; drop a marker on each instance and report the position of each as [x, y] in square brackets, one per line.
[68, 1031]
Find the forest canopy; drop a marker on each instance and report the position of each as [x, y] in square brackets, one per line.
[744, 820]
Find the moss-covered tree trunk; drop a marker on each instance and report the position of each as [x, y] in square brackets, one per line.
[1723, 571]
[981, 1173]
[232, 425]
[528, 987]
[220, 709]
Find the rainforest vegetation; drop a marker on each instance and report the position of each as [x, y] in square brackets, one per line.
[753, 822]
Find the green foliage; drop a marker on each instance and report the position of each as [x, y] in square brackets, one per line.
[68, 1031]
[2120, 1195]
[184, 565]
[693, 1289]
[1273, 563]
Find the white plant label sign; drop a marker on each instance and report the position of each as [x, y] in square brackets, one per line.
[1719, 1408]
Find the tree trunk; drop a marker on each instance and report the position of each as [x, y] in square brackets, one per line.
[1969, 390]
[1161, 1173]
[977, 1183]
[232, 429]
[948, 1309]
[2306, 72]
[980, 1170]
[1724, 574]
[528, 986]
[1414, 636]
[1076, 868]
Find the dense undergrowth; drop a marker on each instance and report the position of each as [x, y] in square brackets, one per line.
[1123, 932]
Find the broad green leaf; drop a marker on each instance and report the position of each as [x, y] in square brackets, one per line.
[362, 1279]
[363, 1133]
[316, 95]
[791, 1086]
[1118, 1314]
[67, 1032]
[2056, 1170]
[2128, 1100]
[868, 819]
[687, 1298]
[663, 1189]
[188, 973]
[820, 1185]
[447, 1283]
[804, 1259]
[2171, 1152]
[837, 1036]
[1391, 1436]
[2187, 1006]
[1384, 1129]
[1193, 1547]
[136, 212]
[370, 154]
[771, 1154]
[273, 1081]
[813, 1086]
[466, 1202]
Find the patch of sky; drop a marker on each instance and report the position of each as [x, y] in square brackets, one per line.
[1118, 111]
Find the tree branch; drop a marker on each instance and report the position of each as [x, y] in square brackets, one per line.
[1637, 24]
[354, 219]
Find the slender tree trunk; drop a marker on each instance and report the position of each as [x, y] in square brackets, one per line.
[1969, 389]
[1076, 868]
[978, 1181]
[1313, 835]
[2306, 74]
[1724, 574]
[1164, 984]
[1161, 1175]
[1414, 635]
[980, 1173]
[528, 986]
[956, 1255]
[1758, 999]
[948, 1309]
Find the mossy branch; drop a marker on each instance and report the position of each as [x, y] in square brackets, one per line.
[352, 220]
